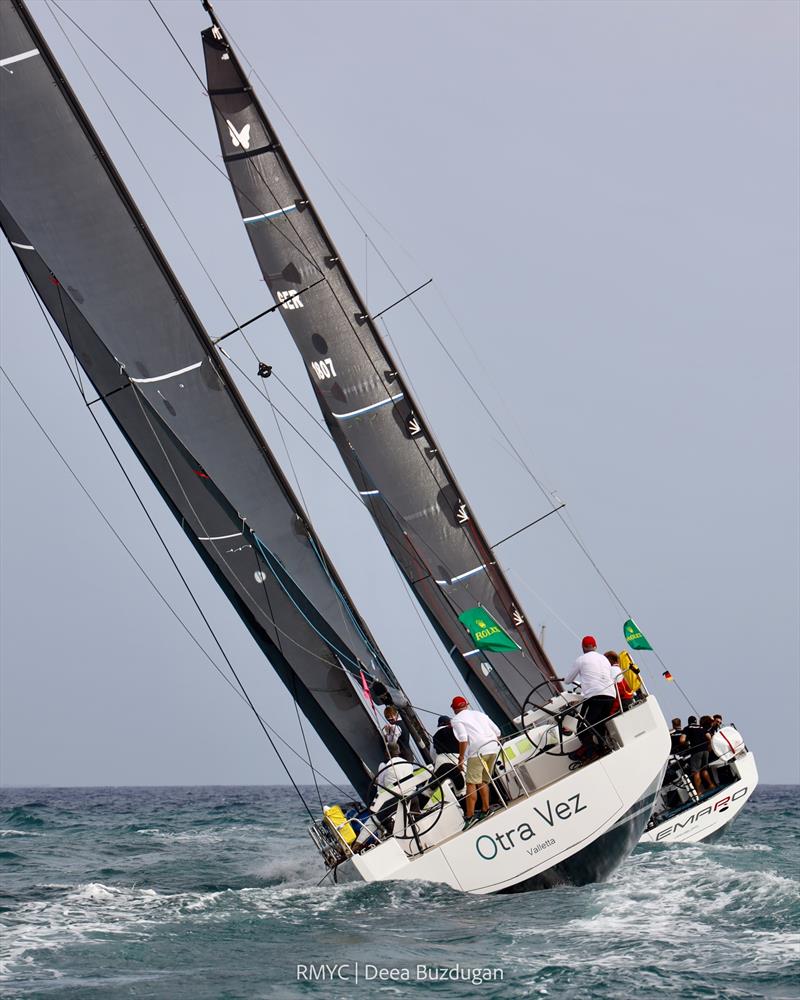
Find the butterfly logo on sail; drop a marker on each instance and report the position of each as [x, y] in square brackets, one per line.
[239, 138]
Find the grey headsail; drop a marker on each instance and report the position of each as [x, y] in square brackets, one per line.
[96, 267]
[391, 454]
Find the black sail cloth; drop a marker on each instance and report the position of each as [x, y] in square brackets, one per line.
[91, 258]
[390, 453]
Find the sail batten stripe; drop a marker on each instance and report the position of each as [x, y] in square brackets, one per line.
[218, 538]
[367, 409]
[229, 157]
[160, 378]
[15, 59]
[270, 215]
[470, 572]
[369, 493]
[21, 246]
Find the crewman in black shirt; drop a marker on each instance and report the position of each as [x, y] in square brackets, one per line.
[679, 746]
[445, 746]
[697, 742]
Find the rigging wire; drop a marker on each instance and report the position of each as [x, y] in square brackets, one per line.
[150, 580]
[161, 538]
[161, 111]
[262, 389]
[572, 531]
[309, 255]
[177, 45]
[368, 240]
[368, 354]
[474, 539]
[87, 493]
[181, 131]
[451, 358]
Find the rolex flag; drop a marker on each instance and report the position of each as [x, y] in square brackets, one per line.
[486, 633]
[634, 637]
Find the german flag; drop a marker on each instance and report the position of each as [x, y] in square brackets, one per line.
[667, 675]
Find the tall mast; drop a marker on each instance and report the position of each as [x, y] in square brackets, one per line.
[397, 465]
[96, 267]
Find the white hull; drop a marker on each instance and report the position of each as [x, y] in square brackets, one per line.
[568, 827]
[706, 819]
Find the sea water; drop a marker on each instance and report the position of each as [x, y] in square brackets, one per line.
[212, 893]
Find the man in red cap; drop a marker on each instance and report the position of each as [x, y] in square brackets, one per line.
[478, 743]
[597, 678]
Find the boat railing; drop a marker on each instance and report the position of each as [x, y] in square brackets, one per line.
[417, 823]
[558, 717]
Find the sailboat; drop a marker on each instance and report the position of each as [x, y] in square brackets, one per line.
[388, 448]
[685, 814]
[105, 284]
[397, 465]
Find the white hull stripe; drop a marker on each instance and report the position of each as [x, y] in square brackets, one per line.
[368, 409]
[648, 808]
[160, 378]
[21, 246]
[218, 538]
[270, 215]
[23, 55]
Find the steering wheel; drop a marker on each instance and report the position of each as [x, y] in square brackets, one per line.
[396, 799]
[541, 708]
[558, 715]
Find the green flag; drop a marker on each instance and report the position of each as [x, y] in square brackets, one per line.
[634, 637]
[486, 633]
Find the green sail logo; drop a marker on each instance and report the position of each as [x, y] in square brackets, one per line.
[483, 630]
[486, 633]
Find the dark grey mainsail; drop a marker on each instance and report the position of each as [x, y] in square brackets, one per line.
[99, 272]
[391, 454]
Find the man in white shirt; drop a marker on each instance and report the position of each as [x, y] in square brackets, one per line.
[478, 743]
[597, 678]
[395, 780]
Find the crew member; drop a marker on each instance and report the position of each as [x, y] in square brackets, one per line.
[679, 746]
[598, 679]
[697, 741]
[396, 734]
[624, 697]
[478, 744]
[445, 746]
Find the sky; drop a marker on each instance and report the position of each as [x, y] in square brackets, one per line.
[606, 197]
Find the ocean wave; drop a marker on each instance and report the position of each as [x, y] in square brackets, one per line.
[90, 912]
[669, 901]
[20, 816]
[86, 914]
[154, 894]
[182, 837]
[235, 831]
[738, 848]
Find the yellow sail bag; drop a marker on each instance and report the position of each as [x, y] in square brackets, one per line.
[337, 819]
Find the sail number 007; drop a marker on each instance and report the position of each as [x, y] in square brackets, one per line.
[324, 369]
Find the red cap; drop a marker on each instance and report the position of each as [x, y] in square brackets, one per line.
[588, 640]
[458, 702]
